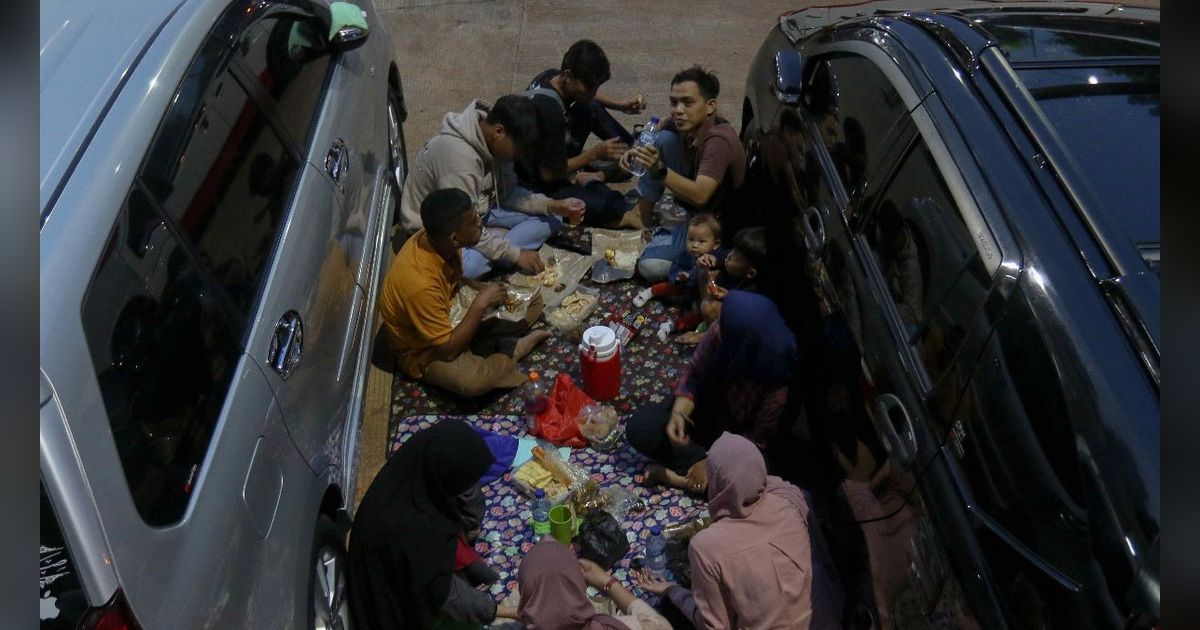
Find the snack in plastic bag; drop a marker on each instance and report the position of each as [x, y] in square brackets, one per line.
[619, 502]
[598, 423]
[532, 475]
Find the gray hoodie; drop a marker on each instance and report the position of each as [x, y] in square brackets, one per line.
[458, 157]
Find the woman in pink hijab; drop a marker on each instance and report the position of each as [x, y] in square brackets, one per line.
[753, 567]
[553, 594]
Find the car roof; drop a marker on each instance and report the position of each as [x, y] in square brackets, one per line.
[87, 50]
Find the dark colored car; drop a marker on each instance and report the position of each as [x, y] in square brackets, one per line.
[975, 194]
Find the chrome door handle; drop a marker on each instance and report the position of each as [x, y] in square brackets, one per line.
[899, 438]
[337, 161]
[286, 342]
[813, 226]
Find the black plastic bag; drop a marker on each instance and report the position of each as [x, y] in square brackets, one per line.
[601, 540]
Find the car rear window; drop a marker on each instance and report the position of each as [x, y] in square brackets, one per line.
[1109, 119]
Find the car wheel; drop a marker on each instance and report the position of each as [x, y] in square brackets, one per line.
[397, 150]
[327, 591]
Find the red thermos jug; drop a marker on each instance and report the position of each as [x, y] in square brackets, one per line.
[600, 362]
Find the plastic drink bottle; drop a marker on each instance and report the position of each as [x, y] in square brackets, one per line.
[656, 553]
[541, 513]
[537, 399]
[646, 138]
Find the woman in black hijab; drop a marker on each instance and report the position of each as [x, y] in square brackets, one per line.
[407, 531]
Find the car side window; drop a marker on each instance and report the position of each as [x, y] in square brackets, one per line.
[223, 174]
[286, 57]
[164, 349]
[855, 106]
[928, 257]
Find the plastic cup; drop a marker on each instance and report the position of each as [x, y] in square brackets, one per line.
[562, 524]
[578, 207]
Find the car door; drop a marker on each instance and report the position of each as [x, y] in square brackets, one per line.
[311, 305]
[911, 266]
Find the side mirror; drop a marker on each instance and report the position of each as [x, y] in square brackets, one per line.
[347, 26]
[788, 76]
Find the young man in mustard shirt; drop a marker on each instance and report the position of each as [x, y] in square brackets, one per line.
[473, 357]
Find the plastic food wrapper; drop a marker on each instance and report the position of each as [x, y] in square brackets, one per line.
[563, 271]
[557, 422]
[532, 475]
[514, 309]
[551, 472]
[598, 424]
[620, 249]
[619, 502]
[574, 309]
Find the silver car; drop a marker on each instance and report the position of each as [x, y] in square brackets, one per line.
[218, 184]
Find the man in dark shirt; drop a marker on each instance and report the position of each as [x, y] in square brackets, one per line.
[698, 157]
[569, 110]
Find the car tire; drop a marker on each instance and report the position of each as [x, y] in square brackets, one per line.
[327, 604]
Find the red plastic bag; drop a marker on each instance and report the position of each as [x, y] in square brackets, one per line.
[557, 422]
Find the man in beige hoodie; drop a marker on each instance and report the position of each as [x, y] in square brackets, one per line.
[474, 152]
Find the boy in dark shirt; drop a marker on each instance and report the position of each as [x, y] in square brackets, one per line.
[569, 110]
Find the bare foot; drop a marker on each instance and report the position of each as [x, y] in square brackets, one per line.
[657, 475]
[690, 338]
[526, 344]
[632, 220]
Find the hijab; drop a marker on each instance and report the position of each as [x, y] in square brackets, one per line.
[754, 343]
[737, 479]
[406, 529]
[553, 595]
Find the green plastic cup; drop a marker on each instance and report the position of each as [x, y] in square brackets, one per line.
[562, 523]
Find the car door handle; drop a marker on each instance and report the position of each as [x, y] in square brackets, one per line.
[813, 226]
[899, 438]
[284, 353]
[337, 161]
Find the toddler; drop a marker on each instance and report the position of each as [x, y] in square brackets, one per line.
[741, 267]
[686, 277]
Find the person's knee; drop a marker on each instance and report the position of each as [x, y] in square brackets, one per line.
[643, 432]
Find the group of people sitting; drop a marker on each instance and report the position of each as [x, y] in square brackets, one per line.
[484, 194]
[412, 564]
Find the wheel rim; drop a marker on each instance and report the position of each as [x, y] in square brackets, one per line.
[395, 144]
[331, 611]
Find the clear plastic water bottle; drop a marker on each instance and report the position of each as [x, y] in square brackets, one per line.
[541, 513]
[537, 399]
[646, 138]
[656, 553]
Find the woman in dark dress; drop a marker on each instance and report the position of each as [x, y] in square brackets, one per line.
[737, 381]
[410, 565]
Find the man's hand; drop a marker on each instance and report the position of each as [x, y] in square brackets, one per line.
[698, 477]
[708, 261]
[652, 582]
[572, 209]
[593, 574]
[677, 429]
[634, 105]
[492, 294]
[529, 262]
[611, 149]
[647, 156]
